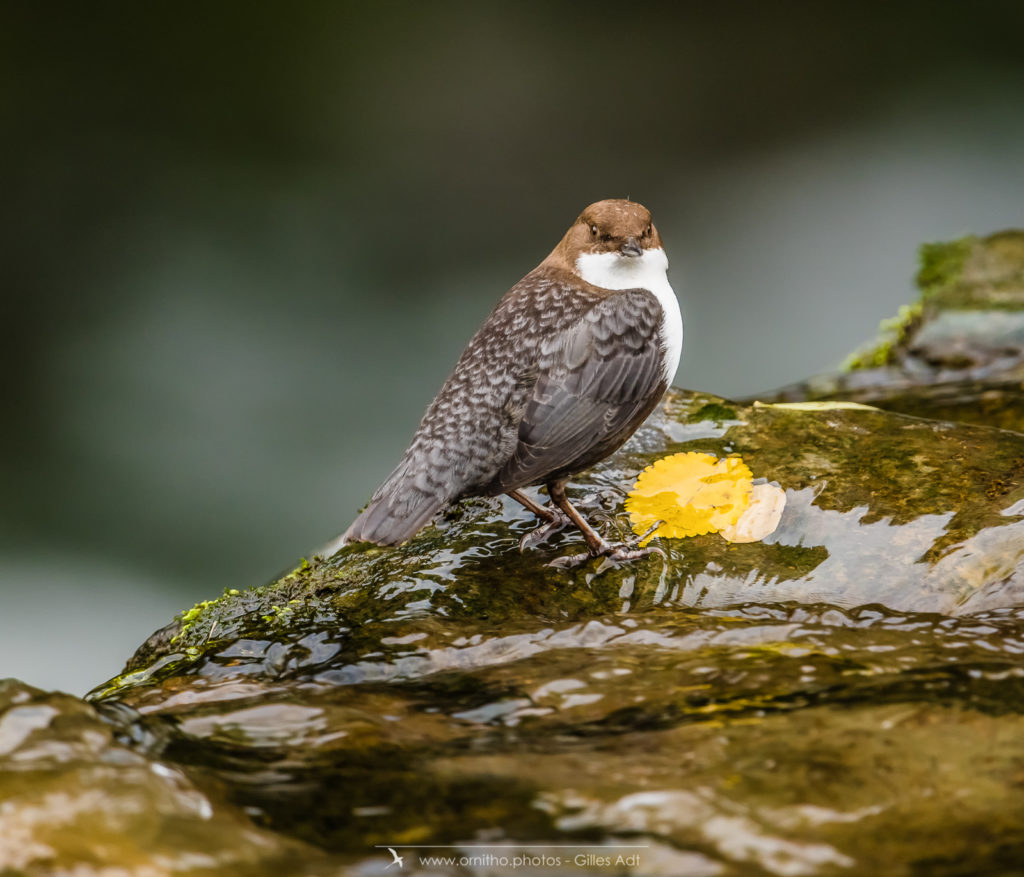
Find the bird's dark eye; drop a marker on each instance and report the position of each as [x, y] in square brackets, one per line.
[593, 230]
[647, 232]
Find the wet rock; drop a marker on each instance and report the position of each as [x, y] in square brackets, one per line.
[766, 707]
[955, 354]
[74, 799]
[880, 508]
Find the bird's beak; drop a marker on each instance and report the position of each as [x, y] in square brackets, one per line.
[631, 248]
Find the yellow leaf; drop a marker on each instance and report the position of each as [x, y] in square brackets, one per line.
[691, 494]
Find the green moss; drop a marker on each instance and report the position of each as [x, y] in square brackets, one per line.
[281, 613]
[713, 411]
[893, 331]
[188, 618]
[941, 264]
[301, 570]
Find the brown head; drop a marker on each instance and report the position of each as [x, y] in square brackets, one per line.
[612, 226]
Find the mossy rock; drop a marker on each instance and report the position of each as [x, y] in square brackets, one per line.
[970, 313]
[957, 353]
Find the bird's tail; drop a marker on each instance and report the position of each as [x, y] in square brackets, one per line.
[400, 508]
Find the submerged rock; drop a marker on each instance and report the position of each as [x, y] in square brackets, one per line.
[955, 354]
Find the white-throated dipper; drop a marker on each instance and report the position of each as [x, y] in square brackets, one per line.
[569, 363]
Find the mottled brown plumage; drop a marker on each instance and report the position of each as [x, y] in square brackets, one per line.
[560, 374]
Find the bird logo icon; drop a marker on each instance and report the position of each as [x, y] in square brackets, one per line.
[398, 860]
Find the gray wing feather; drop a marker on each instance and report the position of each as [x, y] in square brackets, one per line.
[555, 379]
[597, 381]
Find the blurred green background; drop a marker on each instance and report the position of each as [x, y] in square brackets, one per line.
[242, 244]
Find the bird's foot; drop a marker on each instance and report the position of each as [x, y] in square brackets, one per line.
[616, 552]
[630, 551]
[541, 534]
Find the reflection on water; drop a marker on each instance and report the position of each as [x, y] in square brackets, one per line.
[835, 547]
[782, 737]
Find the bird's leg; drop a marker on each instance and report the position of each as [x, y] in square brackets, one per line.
[554, 518]
[597, 545]
[548, 514]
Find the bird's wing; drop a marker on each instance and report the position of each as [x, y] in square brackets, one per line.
[597, 381]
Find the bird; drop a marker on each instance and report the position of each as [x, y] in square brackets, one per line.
[569, 363]
[396, 859]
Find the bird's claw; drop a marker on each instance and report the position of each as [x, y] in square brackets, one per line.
[544, 532]
[570, 561]
[614, 551]
[629, 551]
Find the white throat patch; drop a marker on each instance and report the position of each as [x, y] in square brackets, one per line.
[647, 271]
